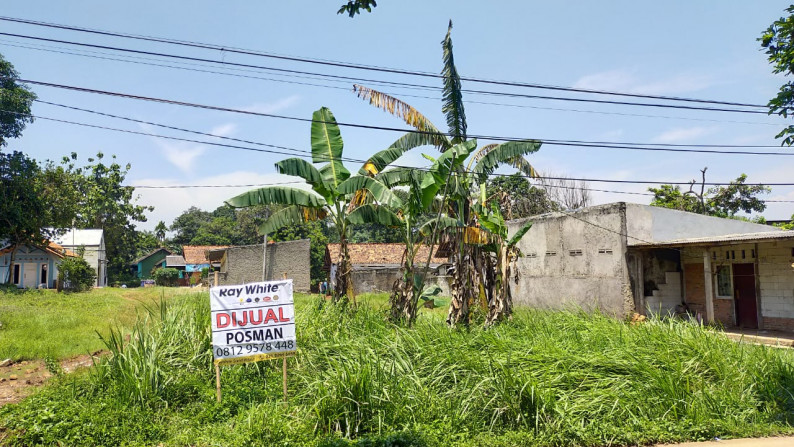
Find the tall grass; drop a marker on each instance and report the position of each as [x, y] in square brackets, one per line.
[545, 378]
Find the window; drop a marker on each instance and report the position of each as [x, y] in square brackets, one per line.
[605, 251]
[551, 253]
[532, 255]
[575, 252]
[743, 254]
[724, 281]
[16, 274]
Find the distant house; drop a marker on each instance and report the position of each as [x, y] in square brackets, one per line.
[196, 259]
[93, 241]
[176, 262]
[143, 266]
[243, 264]
[34, 266]
[377, 266]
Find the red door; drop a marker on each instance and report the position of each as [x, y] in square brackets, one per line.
[744, 295]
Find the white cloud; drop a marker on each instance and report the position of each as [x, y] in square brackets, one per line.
[224, 130]
[182, 155]
[272, 107]
[171, 202]
[629, 82]
[683, 134]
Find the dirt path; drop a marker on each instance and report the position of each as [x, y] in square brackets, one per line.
[20, 379]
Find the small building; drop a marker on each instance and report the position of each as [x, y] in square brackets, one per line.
[143, 266]
[243, 264]
[197, 259]
[34, 266]
[622, 258]
[176, 262]
[92, 241]
[376, 266]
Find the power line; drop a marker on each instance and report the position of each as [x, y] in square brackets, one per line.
[290, 81]
[482, 92]
[307, 154]
[574, 143]
[371, 127]
[215, 47]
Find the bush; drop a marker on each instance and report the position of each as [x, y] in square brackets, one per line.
[75, 275]
[166, 277]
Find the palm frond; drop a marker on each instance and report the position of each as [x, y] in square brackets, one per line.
[374, 214]
[291, 215]
[519, 234]
[277, 195]
[511, 153]
[299, 167]
[380, 192]
[452, 97]
[429, 132]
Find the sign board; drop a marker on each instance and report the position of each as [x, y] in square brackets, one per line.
[252, 322]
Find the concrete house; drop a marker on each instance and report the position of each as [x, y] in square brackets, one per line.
[243, 264]
[623, 258]
[142, 267]
[377, 266]
[33, 266]
[93, 241]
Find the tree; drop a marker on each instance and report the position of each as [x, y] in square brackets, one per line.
[145, 243]
[721, 201]
[459, 190]
[75, 275]
[568, 193]
[778, 40]
[159, 231]
[104, 202]
[187, 224]
[332, 190]
[218, 231]
[518, 198]
[15, 102]
[33, 203]
[354, 7]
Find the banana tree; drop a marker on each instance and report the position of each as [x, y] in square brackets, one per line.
[501, 253]
[332, 189]
[420, 197]
[459, 190]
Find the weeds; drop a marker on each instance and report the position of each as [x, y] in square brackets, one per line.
[545, 378]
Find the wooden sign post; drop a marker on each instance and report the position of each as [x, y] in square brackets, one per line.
[250, 323]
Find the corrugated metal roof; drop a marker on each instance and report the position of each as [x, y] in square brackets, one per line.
[174, 261]
[723, 239]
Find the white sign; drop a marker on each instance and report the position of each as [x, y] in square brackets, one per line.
[252, 322]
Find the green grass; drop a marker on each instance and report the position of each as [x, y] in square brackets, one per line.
[542, 379]
[39, 324]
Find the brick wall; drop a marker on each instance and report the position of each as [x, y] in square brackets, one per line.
[695, 296]
[244, 264]
[776, 277]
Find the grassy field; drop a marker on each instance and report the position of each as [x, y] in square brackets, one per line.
[39, 324]
[543, 379]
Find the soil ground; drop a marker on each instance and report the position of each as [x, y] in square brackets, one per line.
[20, 379]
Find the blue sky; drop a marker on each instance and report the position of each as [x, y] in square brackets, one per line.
[682, 48]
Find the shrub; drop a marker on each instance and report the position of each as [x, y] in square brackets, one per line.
[166, 277]
[75, 275]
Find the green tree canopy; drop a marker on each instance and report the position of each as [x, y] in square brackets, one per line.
[15, 102]
[518, 198]
[721, 201]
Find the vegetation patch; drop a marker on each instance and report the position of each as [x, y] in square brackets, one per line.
[543, 378]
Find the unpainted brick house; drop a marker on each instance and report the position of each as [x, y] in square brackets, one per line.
[622, 258]
[243, 264]
[377, 266]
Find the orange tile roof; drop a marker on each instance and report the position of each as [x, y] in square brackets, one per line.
[51, 248]
[381, 254]
[197, 254]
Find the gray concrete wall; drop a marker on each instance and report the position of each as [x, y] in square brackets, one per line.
[575, 260]
[653, 224]
[244, 264]
[381, 279]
